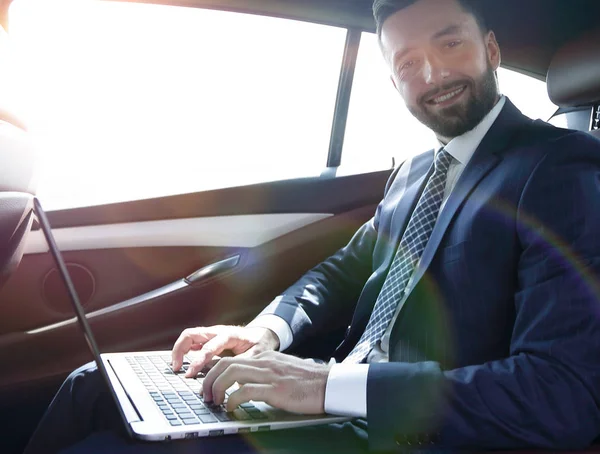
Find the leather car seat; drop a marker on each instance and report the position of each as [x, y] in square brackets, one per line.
[574, 76]
[17, 189]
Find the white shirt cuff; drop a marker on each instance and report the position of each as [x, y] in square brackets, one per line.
[276, 324]
[346, 390]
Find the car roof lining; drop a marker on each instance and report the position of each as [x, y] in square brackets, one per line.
[529, 32]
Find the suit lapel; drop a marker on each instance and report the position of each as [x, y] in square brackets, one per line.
[420, 170]
[471, 176]
[486, 157]
[402, 196]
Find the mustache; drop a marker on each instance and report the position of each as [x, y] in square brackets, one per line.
[444, 88]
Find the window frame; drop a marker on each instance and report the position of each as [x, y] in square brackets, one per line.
[342, 104]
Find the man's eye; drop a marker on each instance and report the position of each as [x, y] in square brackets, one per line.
[407, 64]
[452, 44]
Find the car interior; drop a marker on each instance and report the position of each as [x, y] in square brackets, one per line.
[146, 269]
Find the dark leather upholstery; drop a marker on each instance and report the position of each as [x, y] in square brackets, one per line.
[16, 195]
[574, 73]
[16, 216]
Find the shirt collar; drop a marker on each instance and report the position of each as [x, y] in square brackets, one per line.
[462, 147]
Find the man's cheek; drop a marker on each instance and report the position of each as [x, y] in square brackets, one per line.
[411, 100]
[407, 92]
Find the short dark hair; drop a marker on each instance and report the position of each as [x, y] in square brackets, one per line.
[383, 9]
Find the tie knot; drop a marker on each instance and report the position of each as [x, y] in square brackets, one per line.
[442, 161]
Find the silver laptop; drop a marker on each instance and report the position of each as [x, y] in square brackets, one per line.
[157, 403]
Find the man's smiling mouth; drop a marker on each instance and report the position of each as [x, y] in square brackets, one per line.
[448, 96]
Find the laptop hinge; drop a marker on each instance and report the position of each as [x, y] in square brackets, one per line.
[127, 405]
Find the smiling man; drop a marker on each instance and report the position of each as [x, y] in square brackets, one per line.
[446, 77]
[472, 294]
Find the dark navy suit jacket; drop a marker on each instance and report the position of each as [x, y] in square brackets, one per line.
[498, 344]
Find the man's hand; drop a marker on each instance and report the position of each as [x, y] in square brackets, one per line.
[212, 341]
[282, 381]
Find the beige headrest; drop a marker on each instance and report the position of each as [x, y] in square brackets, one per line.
[574, 73]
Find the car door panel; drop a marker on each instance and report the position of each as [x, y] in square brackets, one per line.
[38, 335]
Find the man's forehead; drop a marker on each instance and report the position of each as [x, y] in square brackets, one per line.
[424, 19]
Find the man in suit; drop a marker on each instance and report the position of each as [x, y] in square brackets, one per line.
[471, 297]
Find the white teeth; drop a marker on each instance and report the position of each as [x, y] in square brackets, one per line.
[448, 96]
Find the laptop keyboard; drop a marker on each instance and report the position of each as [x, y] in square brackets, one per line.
[178, 397]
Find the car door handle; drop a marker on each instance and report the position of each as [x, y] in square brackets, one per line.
[196, 278]
[212, 270]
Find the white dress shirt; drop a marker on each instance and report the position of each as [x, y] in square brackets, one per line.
[346, 380]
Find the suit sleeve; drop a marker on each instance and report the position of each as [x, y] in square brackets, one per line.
[326, 296]
[546, 394]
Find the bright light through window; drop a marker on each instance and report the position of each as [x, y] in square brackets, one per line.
[5, 79]
[380, 127]
[528, 94]
[131, 101]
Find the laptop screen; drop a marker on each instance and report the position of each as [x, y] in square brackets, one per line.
[83, 323]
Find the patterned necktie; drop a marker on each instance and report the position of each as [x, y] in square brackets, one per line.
[409, 252]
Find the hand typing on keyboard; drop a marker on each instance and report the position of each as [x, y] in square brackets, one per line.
[283, 381]
[179, 399]
[210, 342]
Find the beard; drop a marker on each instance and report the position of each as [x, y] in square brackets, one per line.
[454, 121]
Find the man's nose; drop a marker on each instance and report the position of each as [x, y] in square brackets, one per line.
[434, 70]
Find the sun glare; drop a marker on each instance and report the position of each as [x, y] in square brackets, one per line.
[130, 100]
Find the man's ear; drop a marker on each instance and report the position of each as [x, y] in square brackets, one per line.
[493, 50]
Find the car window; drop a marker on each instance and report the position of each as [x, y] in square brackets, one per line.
[530, 95]
[3, 47]
[5, 89]
[381, 129]
[132, 101]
